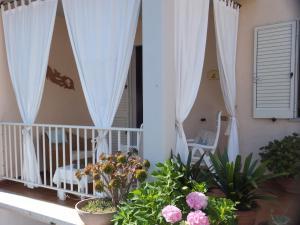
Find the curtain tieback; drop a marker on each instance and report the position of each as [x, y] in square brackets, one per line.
[26, 130]
[180, 129]
[232, 119]
[100, 138]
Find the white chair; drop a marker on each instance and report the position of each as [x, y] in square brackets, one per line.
[206, 142]
[138, 146]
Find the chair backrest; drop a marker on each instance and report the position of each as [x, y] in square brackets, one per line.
[218, 131]
[52, 136]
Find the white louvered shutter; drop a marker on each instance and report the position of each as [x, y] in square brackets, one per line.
[123, 117]
[275, 70]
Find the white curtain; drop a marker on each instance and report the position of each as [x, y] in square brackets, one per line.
[226, 25]
[102, 34]
[191, 19]
[28, 32]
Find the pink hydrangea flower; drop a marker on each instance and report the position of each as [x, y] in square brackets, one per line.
[197, 218]
[196, 200]
[172, 214]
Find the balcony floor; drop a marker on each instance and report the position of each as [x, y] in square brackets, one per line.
[42, 194]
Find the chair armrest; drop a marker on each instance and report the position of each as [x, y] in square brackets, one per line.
[190, 141]
[199, 146]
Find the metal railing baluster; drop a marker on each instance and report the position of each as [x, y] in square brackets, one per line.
[10, 152]
[71, 155]
[15, 151]
[50, 156]
[44, 155]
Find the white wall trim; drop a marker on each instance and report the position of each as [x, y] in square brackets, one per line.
[42, 211]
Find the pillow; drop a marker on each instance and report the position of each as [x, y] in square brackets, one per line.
[52, 138]
[205, 137]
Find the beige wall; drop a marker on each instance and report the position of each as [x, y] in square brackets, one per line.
[253, 133]
[59, 105]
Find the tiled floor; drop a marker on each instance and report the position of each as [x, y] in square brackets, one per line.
[37, 193]
[285, 204]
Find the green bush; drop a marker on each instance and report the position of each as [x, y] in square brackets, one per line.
[144, 205]
[282, 156]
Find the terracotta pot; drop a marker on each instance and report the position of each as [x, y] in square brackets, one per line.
[247, 217]
[216, 192]
[93, 218]
[289, 185]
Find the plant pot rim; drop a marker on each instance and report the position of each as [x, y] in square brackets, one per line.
[256, 208]
[78, 207]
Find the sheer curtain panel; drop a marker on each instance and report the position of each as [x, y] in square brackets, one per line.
[226, 25]
[102, 34]
[191, 19]
[28, 32]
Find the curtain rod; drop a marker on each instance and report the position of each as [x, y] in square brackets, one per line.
[237, 4]
[6, 2]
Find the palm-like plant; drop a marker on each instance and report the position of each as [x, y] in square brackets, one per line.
[240, 180]
[192, 171]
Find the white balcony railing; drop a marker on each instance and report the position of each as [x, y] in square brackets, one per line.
[61, 151]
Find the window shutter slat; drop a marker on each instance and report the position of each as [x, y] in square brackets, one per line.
[274, 61]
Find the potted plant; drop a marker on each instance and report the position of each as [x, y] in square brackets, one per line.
[283, 156]
[113, 175]
[240, 182]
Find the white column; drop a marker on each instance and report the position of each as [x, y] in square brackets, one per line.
[158, 79]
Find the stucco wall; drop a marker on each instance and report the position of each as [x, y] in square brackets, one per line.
[253, 133]
[58, 105]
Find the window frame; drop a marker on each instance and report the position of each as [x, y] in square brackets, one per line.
[294, 89]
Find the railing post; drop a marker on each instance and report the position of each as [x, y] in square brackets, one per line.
[1, 153]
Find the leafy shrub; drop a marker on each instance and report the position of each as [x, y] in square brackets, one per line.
[240, 181]
[144, 205]
[282, 156]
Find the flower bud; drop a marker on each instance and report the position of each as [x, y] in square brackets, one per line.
[108, 168]
[78, 174]
[99, 186]
[102, 157]
[121, 158]
[146, 164]
[141, 175]
[114, 183]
